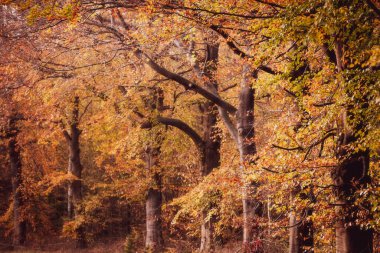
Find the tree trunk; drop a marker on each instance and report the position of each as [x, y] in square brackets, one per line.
[70, 205]
[349, 176]
[294, 246]
[19, 225]
[75, 187]
[207, 234]
[352, 172]
[301, 230]
[211, 152]
[74, 191]
[154, 240]
[210, 160]
[247, 148]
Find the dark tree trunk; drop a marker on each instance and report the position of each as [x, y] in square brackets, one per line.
[247, 148]
[352, 172]
[211, 150]
[210, 160]
[301, 229]
[349, 176]
[74, 192]
[126, 219]
[19, 225]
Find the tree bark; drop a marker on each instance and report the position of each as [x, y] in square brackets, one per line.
[19, 225]
[70, 205]
[211, 140]
[293, 234]
[74, 191]
[247, 148]
[210, 160]
[154, 240]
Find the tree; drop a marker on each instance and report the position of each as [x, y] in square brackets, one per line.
[19, 237]
[74, 192]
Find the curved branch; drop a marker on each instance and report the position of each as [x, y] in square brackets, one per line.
[195, 137]
[187, 84]
[329, 133]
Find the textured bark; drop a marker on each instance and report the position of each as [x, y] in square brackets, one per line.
[211, 142]
[74, 192]
[293, 234]
[19, 225]
[154, 240]
[207, 234]
[247, 148]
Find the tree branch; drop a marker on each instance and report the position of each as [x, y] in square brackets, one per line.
[187, 84]
[373, 7]
[197, 139]
[285, 148]
[66, 135]
[271, 4]
[329, 133]
[238, 51]
[228, 123]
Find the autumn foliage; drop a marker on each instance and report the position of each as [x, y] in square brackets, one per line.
[190, 126]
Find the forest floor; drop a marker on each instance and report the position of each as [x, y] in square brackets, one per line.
[114, 246]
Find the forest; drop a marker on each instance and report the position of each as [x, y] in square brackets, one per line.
[242, 126]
